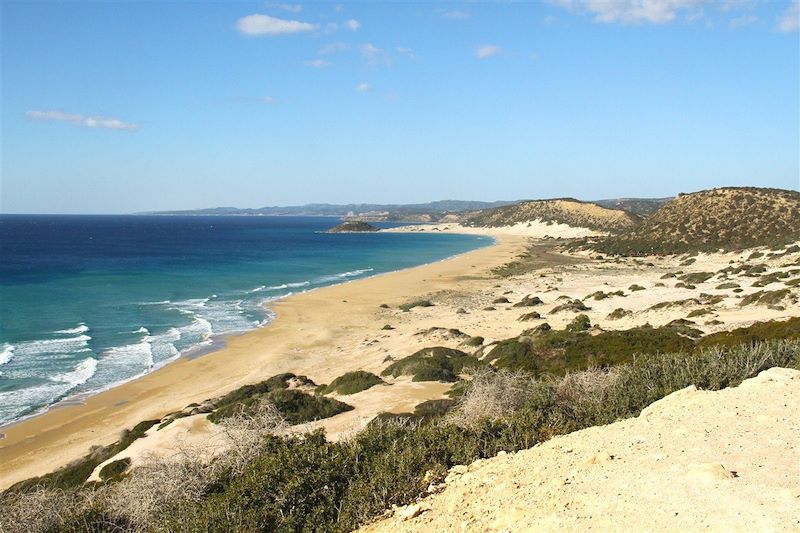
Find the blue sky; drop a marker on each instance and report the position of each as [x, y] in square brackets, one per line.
[114, 107]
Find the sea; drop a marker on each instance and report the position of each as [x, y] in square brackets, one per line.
[90, 302]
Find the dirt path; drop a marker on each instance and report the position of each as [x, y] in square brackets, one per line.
[695, 461]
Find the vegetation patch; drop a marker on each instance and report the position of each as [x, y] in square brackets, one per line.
[433, 364]
[501, 300]
[307, 483]
[600, 295]
[474, 341]
[774, 277]
[529, 301]
[758, 332]
[579, 323]
[696, 277]
[635, 287]
[114, 470]
[574, 306]
[408, 306]
[287, 393]
[533, 315]
[727, 285]
[76, 473]
[618, 313]
[765, 297]
[352, 382]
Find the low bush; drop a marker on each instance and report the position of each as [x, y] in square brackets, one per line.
[352, 382]
[415, 303]
[115, 469]
[305, 483]
[529, 301]
[579, 323]
[433, 364]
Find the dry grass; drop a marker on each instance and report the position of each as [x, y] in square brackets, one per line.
[491, 395]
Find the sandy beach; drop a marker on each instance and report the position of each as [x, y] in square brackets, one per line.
[321, 334]
[327, 332]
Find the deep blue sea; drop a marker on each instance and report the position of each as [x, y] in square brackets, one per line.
[88, 302]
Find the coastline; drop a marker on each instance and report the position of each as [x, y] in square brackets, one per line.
[304, 324]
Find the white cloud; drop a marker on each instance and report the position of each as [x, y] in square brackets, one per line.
[317, 63]
[292, 8]
[265, 25]
[374, 55]
[744, 20]
[92, 121]
[631, 11]
[269, 100]
[487, 50]
[790, 19]
[453, 14]
[352, 24]
[363, 87]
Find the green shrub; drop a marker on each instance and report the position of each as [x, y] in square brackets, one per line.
[765, 297]
[352, 382]
[727, 285]
[574, 306]
[115, 469]
[533, 315]
[579, 323]
[294, 405]
[433, 364]
[618, 313]
[416, 303]
[635, 287]
[305, 483]
[474, 341]
[696, 277]
[750, 335]
[529, 301]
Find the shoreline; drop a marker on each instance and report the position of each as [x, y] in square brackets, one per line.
[65, 431]
[219, 342]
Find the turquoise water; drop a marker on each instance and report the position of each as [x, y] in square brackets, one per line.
[88, 302]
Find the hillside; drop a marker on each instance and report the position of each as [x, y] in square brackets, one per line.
[731, 218]
[563, 211]
[638, 206]
[696, 460]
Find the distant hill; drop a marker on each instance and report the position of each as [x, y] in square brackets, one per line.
[638, 206]
[563, 211]
[427, 212]
[730, 218]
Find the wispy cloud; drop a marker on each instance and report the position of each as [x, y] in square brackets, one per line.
[292, 8]
[363, 87]
[316, 63]
[91, 121]
[631, 11]
[266, 25]
[352, 24]
[453, 14]
[269, 100]
[486, 51]
[790, 19]
[405, 51]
